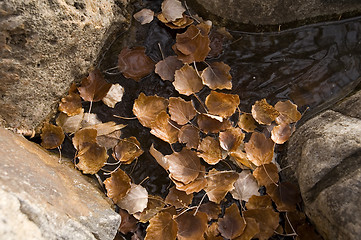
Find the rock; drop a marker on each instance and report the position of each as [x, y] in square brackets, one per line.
[46, 45]
[272, 12]
[324, 156]
[43, 199]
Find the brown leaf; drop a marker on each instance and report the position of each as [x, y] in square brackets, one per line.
[288, 112]
[166, 68]
[266, 174]
[211, 125]
[128, 223]
[219, 184]
[70, 124]
[257, 202]
[110, 140]
[241, 159]
[162, 128]
[94, 87]
[147, 108]
[231, 139]
[117, 185]
[211, 209]
[247, 123]
[267, 220]
[177, 198]
[135, 200]
[294, 220]
[127, 150]
[144, 16]
[114, 95]
[187, 80]
[189, 135]
[222, 104]
[191, 226]
[105, 128]
[162, 226]
[286, 196]
[181, 111]
[180, 23]
[184, 166]
[252, 228]
[307, 231]
[217, 76]
[259, 149]
[172, 9]
[159, 157]
[92, 157]
[281, 133]
[263, 112]
[195, 186]
[154, 206]
[232, 224]
[245, 186]
[217, 38]
[210, 150]
[51, 136]
[87, 135]
[212, 232]
[71, 104]
[134, 63]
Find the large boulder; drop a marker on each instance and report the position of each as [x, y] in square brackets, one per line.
[46, 45]
[324, 157]
[41, 198]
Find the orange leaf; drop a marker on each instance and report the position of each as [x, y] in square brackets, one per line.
[247, 123]
[211, 125]
[222, 104]
[216, 76]
[232, 224]
[195, 186]
[266, 174]
[288, 112]
[162, 226]
[187, 80]
[263, 112]
[92, 157]
[210, 150]
[181, 111]
[159, 157]
[154, 206]
[180, 23]
[259, 149]
[231, 139]
[166, 68]
[189, 135]
[51, 136]
[117, 185]
[177, 198]
[257, 202]
[82, 136]
[212, 232]
[219, 184]
[281, 133]
[252, 228]
[94, 87]
[71, 104]
[191, 226]
[127, 150]
[162, 128]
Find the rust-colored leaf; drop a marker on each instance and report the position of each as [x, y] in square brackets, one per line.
[219, 184]
[210, 150]
[267, 220]
[286, 196]
[166, 68]
[134, 63]
[127, 150]
[281, 133]
[172, 9]
[51, 136]
[217, 76]
[266, 174]
[241, 159]
[211, 209]
[247, 123]
[163, 128]
[252, 228]
[231, 139]
[187, 80]
[294, 220]
[159, 157]
[288, 112]
[135, 200]
[180, 23]
[263, 112]
[83, 136]
[212, 232]
[191, 226]
[245, 186]
[128, 223]
[259, 149]
[222, 104]
[177, 198]
[232, 224]
[189, 135]
[117, 185]
[92, 157]
[94, 87]
[181, 111]
[195, 186]
[162, 226]
[211, 125]
[147, 108]
[144, 16]
[258, 202]
[307, 231]
[71, 104]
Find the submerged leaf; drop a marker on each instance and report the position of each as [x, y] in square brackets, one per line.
[210, 150]
[94, 87]
[162, 226]
[263, 112]
[166, 68]
[172, 9]
[114, 95]
[51, 136]
[181, 111]
[163, 128]
[191, 226]
[219, 184]
[135, 200]
[117, 185]
[222, 104]
[232, 224]
[217, 76]
[127, 150]
[245, 186]
[187, 81]
[144, 16]
[259, 149]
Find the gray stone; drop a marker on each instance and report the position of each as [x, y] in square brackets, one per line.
[46, 45]
[41, 198]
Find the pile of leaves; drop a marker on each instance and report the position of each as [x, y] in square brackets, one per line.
[209, 131]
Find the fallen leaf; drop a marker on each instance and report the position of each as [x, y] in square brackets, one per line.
[134, 63]
[263, 112]
[252, 228]
[163, 129]
[307, 231]
[288, 112]
[267, 220]
[159, 157]
[247, 123]
[177, 198]
[222, 104]
[210, 150]
[217, 39]
[110, 140]
[259, 149]
[70, 124]
[285, 195]
[219, 184]
[127, 150]
[180, 23]
[90, 119]
[217, 76]
[71, 104]
[258, 202]
[211, 209]
[266, 174]
[147, 108]
[172, 9]
[281, 133]
[245, 186]
[135, 200]
[105, 128]
[128, 223]
[231, 225]
[92, 157]
[294, 220]
[94, 87]
[51, 136]
[195, 186]
[181, 111]
[114, 95]
[189, 135]
[166, 68]
[187, 81]
[231, 139]
[144, 16]
[212, 232]
[191, 226]
[162, 226]
[117, 185]
[154, 206]
[82, 136]
[211, 125]
[241, 159]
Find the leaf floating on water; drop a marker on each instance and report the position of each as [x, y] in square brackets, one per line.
[166, 68]
[210, 150]
[187, 81]
[114, 95]
[162, 226]
[267, 220]
[245, 186]
[181, 111]
[222, 104]
[231, 139]
[51, 136]
[135, 200]
[71, 104]
[94, 87]
[211, 125]
[286, 196]
[217, 76]
[144, 16]
[177, 198]
[127, 150]
[281, 133]
[172, 10]
[70, 124]
[147, 108]
[259, 149]
[219, 184]
[266, 174]
[189, 135]
[257, 202]
[247, 123]
[134, 63]
[117, 185]
[163, 129]
[288, 112]
[263, 112]
[191, 226]
[232, 224]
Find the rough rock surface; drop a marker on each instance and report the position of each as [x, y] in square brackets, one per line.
[43, 199]
[44, 46]
[272, 12]
[324, 156]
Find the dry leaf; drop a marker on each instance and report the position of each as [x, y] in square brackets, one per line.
[217, 38]
[259, 149]
[257, 202]
[94, 87]
[117, 185]
[247, 123]
[177, 198]
[162, 226]
[288, 112]
[134, 63]
[180, 23]
[307, 231]
[181, 111]
[217, 76]
[159, 157]
[219, 184]
[109, 140]
[245, 186]
[92, 157]
[147, 108]
[105, 128]
[172, 9]
[187, 81]
[232, 224]
[285, 195]
[70, 124]
[210, 150]
[154, 206]
[51, 136]
[163, 128]
[144, 16]
[211, 125]
[266, 174]
[127, 150]
[281, 133]
[267, 220]
[71, 104]
[87, 135]
[135, 200]
[241, 159]
[114, 95]
[263, 112]
[191, 226]
[211, 209]
[189, 135]
[252, 228]
[90, 119]
[231, 139]
[128, 223]
[222, 104]
[212, 232]
[195, 186]
[166, 68]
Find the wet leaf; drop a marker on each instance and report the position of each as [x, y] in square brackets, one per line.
[211, 209]
[286, 196]
[70, 124]
[117, 185]
[288, 112]
[196, 185]
[232, 224]
[51, 136]
[263, 112]
[259, 149]
[191, 226]
[135, 200]
[257, 202]
[162, 226]
[210, 150]
[92, 157]
[128, 223]
[71, 104]
[154, 206]
[217, 39]
[177, 198]
[166, 68]
[267, 220]
[114, 95]
[247, 123]
[144, 16]
[163, 128]
[147, 108]
[222, 104]
[172, 9]
[281, 133]
[245, 186]
[127, 150]
[252, 228]
[187, 80]
[211, 125]
[231, 139]
[181, 111]
[217, 76]
[159, 157]
[94, 87]
[189, 135]
[266, 174]
[134, 63]
[219, 184]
